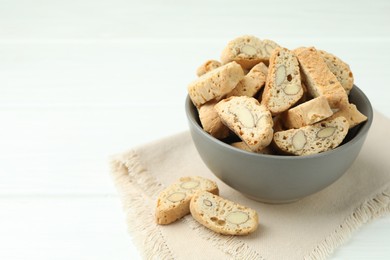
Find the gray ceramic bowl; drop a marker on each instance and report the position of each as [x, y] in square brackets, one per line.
[279, 178]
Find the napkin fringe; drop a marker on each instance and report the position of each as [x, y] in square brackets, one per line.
[377, 206]
[137, 188]
[230, 245]
[131, 182]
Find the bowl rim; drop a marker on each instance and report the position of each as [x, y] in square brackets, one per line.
[362, 131]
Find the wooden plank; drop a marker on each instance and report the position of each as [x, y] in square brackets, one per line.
[369, 242]
[65, 150]
[64, 228]
[152, 19]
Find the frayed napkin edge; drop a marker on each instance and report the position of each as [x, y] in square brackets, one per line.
[375, 207]
[132, 181]
[126, 171]
[128, 175]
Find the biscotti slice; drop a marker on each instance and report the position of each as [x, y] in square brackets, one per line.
[207, 66]
[173, 202]
[215, 84]
[318, 78]
[307, 113]
[339, 68]
[211, 122]
[313, 139]
[351, 113]
[248, 50]
[283, 87]
[252, 82]
[223, 216]
[248, 119]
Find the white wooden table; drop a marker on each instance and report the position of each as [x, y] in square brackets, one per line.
[83, 79]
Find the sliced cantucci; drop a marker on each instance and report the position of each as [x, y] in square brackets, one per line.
[318, 78]
[340, 69]
[223, 216]
[283, 87]
[248, 50]
[174, 202]
[312, 139]
[215, 84]
[248, 119]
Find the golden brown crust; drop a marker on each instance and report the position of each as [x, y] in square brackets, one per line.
[318, 79]
[215, 84]
[339, 68]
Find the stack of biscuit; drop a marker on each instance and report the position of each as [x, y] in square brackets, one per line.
[270, 99]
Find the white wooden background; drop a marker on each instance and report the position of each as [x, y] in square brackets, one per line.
[83, 79]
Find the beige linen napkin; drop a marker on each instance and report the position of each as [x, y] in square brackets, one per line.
[311, 228]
